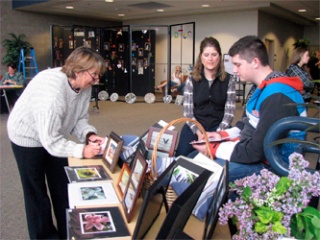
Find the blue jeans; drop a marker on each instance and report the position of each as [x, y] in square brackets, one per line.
[186, 136]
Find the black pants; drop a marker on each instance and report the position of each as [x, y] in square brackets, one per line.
[36, 167]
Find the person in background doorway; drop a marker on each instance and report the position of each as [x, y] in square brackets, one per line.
[299, 61]
[176, 79]
[209, 96]
[54, 106]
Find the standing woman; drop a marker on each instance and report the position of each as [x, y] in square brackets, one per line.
[52, 107]
[209, 96]
[299, 61]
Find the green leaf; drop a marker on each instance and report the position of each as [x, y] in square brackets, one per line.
[277, 216]
[264, 214]
[247, 193]
[279, 228]
[259, 227]
[283, 185]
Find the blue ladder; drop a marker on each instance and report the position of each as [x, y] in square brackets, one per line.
[28, 65]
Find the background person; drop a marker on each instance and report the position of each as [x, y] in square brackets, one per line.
[269, 103]
[12, 77]
[176, 79]
[299, 61]
[209, 96]
[52, 107]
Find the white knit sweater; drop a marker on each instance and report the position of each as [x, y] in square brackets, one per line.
[47, 112]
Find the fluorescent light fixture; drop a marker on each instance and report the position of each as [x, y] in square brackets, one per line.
[205, 5]
[160, 10]
[302, 10]
[318, 18]
[121, 15]
[108, 1]
[69, 7]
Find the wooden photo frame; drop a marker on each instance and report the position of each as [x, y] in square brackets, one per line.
[140, 52]
[112, 152]
[167, 143]
[134, 186]
[123, 179]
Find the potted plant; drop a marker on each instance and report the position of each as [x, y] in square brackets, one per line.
[272, 207]
[13, 47]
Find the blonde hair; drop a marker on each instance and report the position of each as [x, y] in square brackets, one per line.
[198, 68]
[83, 59]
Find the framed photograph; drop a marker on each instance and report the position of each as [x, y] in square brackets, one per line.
[133, 47]
[166, 144]
[134, 185]
[147, 46]
[91, 34]
[134, 62]
[106, 46]
[123, 179]
[140, 52]
[81, 223]
[91, 194]
[112, 151]
[70, 44]
[121, 47]
[146, 62]
[86, 173]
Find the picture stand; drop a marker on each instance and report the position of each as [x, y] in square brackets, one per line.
[155, 198]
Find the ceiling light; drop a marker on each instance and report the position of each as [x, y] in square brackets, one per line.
[205, 5]
[302, 10]
[160, 10]
[318, 18]
[108, 0]
[69, 7]
[120, 15]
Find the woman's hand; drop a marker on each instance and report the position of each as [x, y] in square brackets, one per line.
[91, 150]
[214, 135]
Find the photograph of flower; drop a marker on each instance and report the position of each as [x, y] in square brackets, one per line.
[92, 193]
[96, 222]
[87, 173]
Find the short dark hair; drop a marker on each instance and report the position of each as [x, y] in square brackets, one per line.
[12, 65]
[250, 47]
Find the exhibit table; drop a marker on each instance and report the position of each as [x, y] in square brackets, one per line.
[6, 88]
[194, 227]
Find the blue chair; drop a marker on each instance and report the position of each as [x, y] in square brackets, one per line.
[279, 130]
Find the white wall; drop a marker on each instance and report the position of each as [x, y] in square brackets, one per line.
[272, 28]
[226, 27]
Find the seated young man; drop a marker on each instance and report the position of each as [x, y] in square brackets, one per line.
[243, 144]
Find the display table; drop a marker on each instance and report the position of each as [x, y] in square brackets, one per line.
[194, 226]
[5, 88]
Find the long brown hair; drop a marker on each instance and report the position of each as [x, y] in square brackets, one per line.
[198, 68]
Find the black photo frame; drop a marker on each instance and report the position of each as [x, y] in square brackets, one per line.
[154, 198]
[115, 227]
